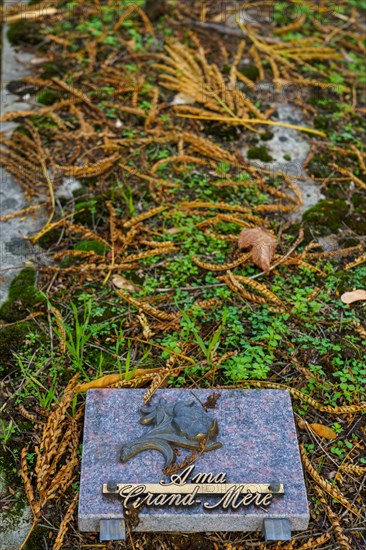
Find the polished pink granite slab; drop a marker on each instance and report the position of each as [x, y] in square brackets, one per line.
[256, 428]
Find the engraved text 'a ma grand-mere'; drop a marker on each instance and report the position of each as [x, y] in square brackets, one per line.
[178, 492]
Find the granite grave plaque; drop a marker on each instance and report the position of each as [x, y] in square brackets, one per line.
[249, 477]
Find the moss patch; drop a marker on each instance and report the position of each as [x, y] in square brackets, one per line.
[250, 71]
[52, 69]
[259, 153]
[327, 216]
[11, 338]
[266, 136]
[22, 298]
[24, 32]
[50, 238]
[48, 97]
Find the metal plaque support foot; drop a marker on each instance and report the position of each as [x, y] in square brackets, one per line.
[276, 529]
[112, 529]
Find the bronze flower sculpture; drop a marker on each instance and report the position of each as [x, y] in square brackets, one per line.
[182, 424]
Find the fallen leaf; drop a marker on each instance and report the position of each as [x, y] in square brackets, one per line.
[146, 330]
[102, 382]
[182, 99]
[262, 243]
[121, 282]
[323, 431]
[110, 379]
[354, 296]
[302, 424]
[31, 14]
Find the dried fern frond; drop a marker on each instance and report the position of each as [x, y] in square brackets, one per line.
[56, 456]
[343, 541]
[146, 329]
[156, 181]
[186, 70]
[223, 267]
[361, 331]
[157, 382]
[315, 542]
[144, 216]
[233, 284]
[353, 469]
[357, 181]
[27, 483]
[57, 545]
[61, 328]
[147, 308]
[249, 220]
[207, 148]
[175, 159]
[342, 409]
[262, 289]
[356, 262]
[87, 233]
[90, 170]
[324, 484]
[149, 254]
[214, 205]
[343, 252]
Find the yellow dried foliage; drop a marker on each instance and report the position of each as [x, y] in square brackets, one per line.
[144, 216]
[353, 469]
[181, 159]
[335, 253]
[343, 409]
[156, 181]
[323, 431]
[357, 181]
[342, 539]
[223, 267]
[358, 261]
[261, 289]
[56, 456]
[315, 542]
[149, 254]
[157, 382]
[87, 233]
[20, 213]
[89, 268]
[186, 70]
[324, 484]
[146, 329]
[147, 308]
[233, 284]
[111, 379]
[90, 170]
[61, 328]
[213, 205]
[58, 544]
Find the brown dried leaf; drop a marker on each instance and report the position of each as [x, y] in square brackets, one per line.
[262, 244]
[182, 99]
[323, 431]
[122, 282]
[354, 296]
[110, 379]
